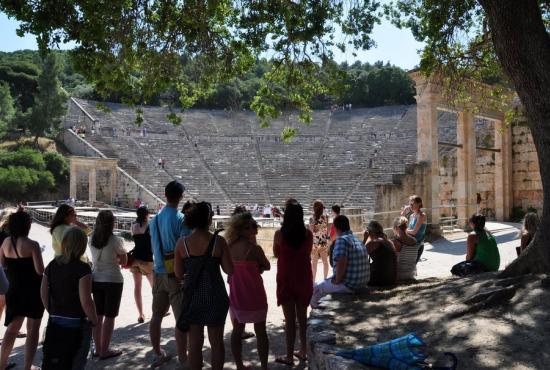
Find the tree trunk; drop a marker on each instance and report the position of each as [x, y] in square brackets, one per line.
[523, 49]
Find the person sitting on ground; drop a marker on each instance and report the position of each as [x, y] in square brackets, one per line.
[531, 224]
[22, 259]
[482, 254]
[383, 268]
[66, 292]
[247, 296]
[65, 217]
[198, 257]
[292, 246]
[406, 248]
[351, 264]
[318, 224]
[142, 264]
[418, 222]
[107, 255]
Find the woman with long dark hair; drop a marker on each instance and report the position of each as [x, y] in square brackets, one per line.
[198, 258]
[22, 259]
[292, 246]
[64, 217]
[107, 255]
[482, 253]
[142, 253]
[318, 224]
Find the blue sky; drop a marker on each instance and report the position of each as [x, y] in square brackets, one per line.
[393, 45]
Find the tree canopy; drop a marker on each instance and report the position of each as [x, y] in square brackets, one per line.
[137, 46]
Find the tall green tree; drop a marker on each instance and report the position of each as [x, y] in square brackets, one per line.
[137, 46]
[7, 109]
[50, 100]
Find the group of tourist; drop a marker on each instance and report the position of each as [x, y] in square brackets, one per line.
[182, 259]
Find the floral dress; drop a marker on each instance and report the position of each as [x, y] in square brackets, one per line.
[320, 234]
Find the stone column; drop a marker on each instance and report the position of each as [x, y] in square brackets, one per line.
[466, 165]
[92, 185]
[113, 184]
[503, 171]
[73, 179]
[427, 146]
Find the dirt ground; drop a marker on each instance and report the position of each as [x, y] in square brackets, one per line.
[380, 316]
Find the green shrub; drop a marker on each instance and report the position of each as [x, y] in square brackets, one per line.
[27, 158]
[16, 182]
[57, 165]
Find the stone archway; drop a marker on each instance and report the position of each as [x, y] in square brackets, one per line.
[92, 165]
[430, 99]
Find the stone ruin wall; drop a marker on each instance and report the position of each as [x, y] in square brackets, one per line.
[526, 181]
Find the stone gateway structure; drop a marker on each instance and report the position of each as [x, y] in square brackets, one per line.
[430, 99]
[91, 166]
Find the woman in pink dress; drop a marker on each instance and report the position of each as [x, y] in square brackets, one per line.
[247, 297]
[292, 246]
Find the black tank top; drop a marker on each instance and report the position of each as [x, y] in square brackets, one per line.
[142, 250]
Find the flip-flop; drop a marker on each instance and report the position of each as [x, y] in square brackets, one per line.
[299, 356]
[284, 361]
[10, 365]
[111, 354]
[248, 335]
[21, 335]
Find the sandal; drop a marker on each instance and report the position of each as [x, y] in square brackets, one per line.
[110, 354]
[300, 357]
[141, 320]
[21, 335]
[285, 361]
[10, 365]
[247, 335]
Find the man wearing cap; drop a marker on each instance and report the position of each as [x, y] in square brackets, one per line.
[166, 228]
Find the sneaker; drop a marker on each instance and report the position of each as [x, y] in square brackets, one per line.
[161, 359]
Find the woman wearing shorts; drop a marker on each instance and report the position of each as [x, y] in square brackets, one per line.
[143, 257]
[318, 224]
[107, 254]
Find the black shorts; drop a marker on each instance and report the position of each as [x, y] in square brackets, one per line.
[107, 298]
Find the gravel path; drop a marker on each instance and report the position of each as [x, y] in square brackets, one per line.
[133, 338]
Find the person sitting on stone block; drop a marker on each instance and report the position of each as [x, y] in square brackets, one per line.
[351, 264]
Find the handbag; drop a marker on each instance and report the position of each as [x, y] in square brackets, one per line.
[189, 285]
[168, 257]
[129, 260]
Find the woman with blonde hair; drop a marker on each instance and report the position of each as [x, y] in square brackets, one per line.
[107, 255]
[318, 224]
[247, 296]
[406, 248]
[66, 292]
[531, 224]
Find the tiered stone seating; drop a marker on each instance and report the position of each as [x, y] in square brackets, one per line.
[226, 158]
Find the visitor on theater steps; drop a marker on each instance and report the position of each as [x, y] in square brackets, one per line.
[166, 228]
[482, 253]
[351, 264]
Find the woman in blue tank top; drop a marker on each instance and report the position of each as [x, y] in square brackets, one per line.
[418, 221]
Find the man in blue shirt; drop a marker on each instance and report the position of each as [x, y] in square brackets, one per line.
[350, 261]
[165, 229]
